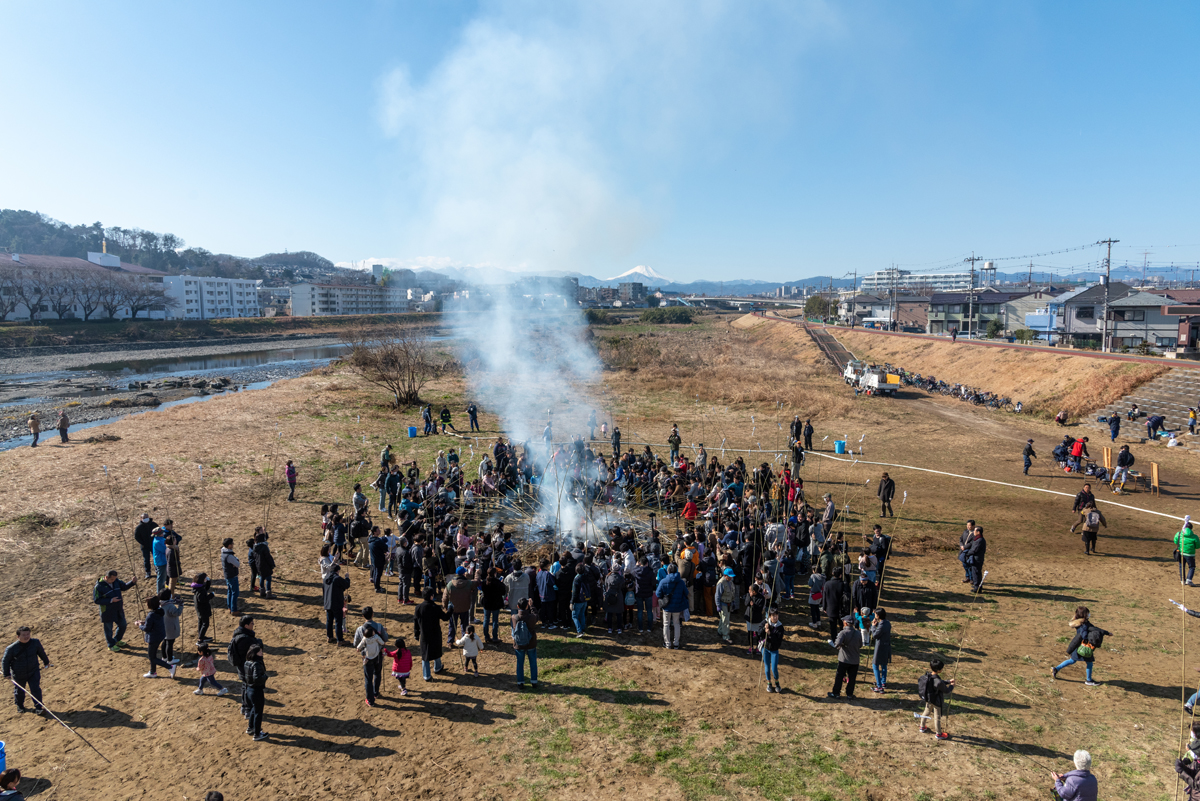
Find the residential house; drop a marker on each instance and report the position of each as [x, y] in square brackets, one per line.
[1141, 318]
[1082, 312]
[1017, 311]
[951, 310]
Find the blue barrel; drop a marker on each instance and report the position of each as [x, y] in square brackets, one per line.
[412, 431]
[2, 759]
[839, 446]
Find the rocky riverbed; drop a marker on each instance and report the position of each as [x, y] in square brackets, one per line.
[90, 399]
[48, 359]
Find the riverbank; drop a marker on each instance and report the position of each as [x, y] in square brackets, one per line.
[107, 406]
[22, 365]
[16, 337]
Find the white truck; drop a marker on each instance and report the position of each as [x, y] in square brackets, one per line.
[870, 379]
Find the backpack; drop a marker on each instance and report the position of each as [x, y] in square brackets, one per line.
[687, 568]
[1093, 519]
[97, 598]
[521, 634]
[924, 685]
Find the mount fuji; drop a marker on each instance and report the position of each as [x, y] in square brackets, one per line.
[642, 271]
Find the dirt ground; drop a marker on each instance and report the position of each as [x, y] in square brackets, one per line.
[617, 715]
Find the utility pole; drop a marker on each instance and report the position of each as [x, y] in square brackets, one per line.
[971, 294]
[1107, 283]
[1031, 276]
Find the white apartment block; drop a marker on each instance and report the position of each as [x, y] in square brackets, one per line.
[320, 300]
[884, 281]
[206, 298]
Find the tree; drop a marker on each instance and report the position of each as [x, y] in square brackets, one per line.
[9, 298]
[141, 295]
[402, 361]
[60, 291]
[817, 306]
[31, 287]
[87, 292]
[111, 288]
[994, 328]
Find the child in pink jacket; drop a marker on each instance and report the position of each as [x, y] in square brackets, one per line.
[401, 664]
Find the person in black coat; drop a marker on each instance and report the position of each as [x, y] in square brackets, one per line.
[886, 491]
[21, 666]
[264, 563]
[155, 627]
[562, 588]
[256, 683]
[833, 604]
[976, 553]
[143, 535]
[335, 604]
[377, 544]
[863, 594]
[427, 628]
[239, 646]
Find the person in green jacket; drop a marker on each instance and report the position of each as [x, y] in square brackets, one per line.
[1187, 542]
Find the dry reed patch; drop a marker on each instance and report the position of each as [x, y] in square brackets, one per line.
[728, 367]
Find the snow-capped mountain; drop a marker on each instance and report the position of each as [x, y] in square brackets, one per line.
[642, 271]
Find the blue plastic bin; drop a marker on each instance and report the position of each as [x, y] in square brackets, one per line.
[412, 431]
[3, 767]
[839, 446]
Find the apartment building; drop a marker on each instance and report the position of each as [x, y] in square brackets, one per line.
[319, 300]
[207, 298]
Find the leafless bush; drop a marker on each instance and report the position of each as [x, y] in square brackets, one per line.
[400, 360]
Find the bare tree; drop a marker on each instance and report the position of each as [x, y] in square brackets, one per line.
[60, 291]
[402, 361]
[147, 296]
[10, 299]
[32, 287]
[112, 293]
[88, 291]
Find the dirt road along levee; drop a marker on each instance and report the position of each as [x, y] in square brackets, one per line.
[833, 350]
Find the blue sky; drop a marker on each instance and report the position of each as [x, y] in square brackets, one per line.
[705, 139]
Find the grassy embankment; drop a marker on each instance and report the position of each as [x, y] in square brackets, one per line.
[1045, 381]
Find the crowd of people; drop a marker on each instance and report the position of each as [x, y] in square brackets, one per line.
[747, 546]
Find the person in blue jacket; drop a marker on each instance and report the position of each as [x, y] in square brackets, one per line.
[158, 549]
[673, 597]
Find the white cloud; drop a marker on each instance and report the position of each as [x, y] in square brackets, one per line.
[549, 140]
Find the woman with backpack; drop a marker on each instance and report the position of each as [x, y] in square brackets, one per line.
[1088, 637]
[1091, 519]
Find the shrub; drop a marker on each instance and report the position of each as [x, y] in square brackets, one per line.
[675, 314]
[596, 317]
[994, 329]
[1025, 335]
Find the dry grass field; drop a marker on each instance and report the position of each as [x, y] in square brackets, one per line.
[617, 715]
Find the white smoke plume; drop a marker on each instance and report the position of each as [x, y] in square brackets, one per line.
[529, 361]
[551, 136]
